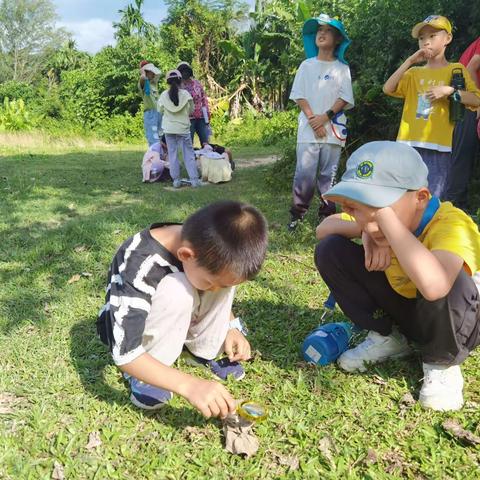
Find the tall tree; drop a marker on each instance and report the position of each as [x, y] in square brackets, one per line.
[132, 23]
[27, 35]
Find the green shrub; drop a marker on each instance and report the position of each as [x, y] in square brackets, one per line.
[257, 129]
[119, 128]
[14, 116]
[14, 90]
[280, 174]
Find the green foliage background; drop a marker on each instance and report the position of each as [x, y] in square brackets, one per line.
[246, 60]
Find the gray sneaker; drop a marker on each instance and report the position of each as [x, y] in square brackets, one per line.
[177, 183]
[197, 183]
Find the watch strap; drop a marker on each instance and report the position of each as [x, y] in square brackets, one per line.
[239, 325]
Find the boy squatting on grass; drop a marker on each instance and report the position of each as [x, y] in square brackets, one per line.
[425, 122]
[171, 286]
[416, 277]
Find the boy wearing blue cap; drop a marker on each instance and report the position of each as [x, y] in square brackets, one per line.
[323, 90]
[427, 91]
[416, 276]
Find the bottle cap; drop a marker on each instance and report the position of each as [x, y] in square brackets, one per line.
[252, 411]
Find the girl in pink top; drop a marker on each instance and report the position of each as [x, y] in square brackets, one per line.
[200, 117]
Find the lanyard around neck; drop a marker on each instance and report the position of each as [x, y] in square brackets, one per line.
[432, 207]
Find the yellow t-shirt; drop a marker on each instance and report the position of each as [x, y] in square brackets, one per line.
[451, 230]
[424, 123]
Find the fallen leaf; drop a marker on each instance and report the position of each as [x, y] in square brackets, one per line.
[116, 232]
[86, 274]
[46, 308]
[395, 462]
[291, 461]
[74, 278]
[406, 402]
[7, 401]
[239, 437]
[457, 431]
[94, 440]
[58, 473]
[80, 248]
[371, 457]
[325, 446]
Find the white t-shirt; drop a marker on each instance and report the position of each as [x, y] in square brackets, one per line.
[321, 83]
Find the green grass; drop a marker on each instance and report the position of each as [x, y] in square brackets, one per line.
[66, 212]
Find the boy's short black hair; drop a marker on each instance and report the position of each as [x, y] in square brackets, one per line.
[228, 235]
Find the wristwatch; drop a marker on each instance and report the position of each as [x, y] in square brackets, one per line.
[239, 325]
[330, 114]
[456, 95]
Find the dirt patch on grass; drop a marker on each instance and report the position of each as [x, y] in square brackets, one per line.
[254, 162]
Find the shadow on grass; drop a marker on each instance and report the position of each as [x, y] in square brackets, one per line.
[278, 330]
[91, 360]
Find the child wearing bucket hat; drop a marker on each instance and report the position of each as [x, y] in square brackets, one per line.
[176, 104]
[427, 94]
[148, 88]
[415, 278]
[323, 90]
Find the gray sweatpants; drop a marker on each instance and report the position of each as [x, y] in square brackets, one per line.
[185, 141]
[316, 168]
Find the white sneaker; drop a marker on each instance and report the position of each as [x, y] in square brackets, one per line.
[442, 387]
[375, 348]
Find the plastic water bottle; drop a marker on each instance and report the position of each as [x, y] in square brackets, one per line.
[327, 342]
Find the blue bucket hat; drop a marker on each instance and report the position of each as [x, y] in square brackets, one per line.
[310, 28]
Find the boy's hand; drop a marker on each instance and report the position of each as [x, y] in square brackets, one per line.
[419, 56]
[320, 132]
[317, 121]
[210, 398]
[438, 92]
[377, 259]
[236, 346]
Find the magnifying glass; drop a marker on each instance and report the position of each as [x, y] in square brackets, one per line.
[252, 411]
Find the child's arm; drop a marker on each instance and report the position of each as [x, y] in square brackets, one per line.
[317, 121]
[392, 83]
[432, 272]
[209, 397]
[470, 99]
[236, 346]
[334, 225]
[473, 67]
[308, 112]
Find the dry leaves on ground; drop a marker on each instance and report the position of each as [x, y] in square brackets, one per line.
[325, 446]
[452, 427]
[239, 436]
[94, 441]
[58, 472]
[291, 461]
[7, 402]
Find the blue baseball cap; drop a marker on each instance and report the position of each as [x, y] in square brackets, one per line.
[309, 31]
[379, 173]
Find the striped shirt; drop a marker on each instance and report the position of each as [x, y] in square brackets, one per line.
[137, 268]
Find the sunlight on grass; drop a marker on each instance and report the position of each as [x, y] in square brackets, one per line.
[63, 211]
